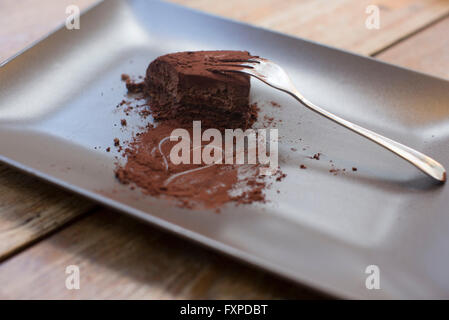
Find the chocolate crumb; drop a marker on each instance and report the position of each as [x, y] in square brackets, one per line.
[135, 87]
[303, 166]
[125, 77]
[354, 169]
[108, 149]
[282, 176]
[116, 142]
[123, 122]
[316, 156]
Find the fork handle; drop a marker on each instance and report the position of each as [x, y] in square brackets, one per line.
[426, 164]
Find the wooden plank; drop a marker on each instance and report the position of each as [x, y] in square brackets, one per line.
[339, 23]
[24, 22]
[30, 208]
[120, 258]
[427, 51]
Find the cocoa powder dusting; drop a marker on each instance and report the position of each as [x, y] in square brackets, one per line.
[189, 185]
[174, 105]
[192, 185]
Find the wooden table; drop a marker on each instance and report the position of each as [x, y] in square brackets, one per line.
[44, 229]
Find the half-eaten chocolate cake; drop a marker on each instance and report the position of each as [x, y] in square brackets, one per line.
[182, 86]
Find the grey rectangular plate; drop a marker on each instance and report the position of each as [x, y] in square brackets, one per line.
[57, 103]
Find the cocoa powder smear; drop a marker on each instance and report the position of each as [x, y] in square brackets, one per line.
[148, 165]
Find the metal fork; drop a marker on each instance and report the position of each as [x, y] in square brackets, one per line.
[276, 77]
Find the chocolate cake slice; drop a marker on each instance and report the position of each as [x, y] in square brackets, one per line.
[182, 86]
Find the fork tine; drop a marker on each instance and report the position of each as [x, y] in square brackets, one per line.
[256, 60]
[249, 72]
[234, 70]
[233, 65]
[237, 60]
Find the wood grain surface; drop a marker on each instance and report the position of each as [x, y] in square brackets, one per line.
[22, 22]
[29, 209]
[339, 23]
[121, 258]
[427, 51]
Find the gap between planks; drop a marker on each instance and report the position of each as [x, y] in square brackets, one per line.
[410, 35]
